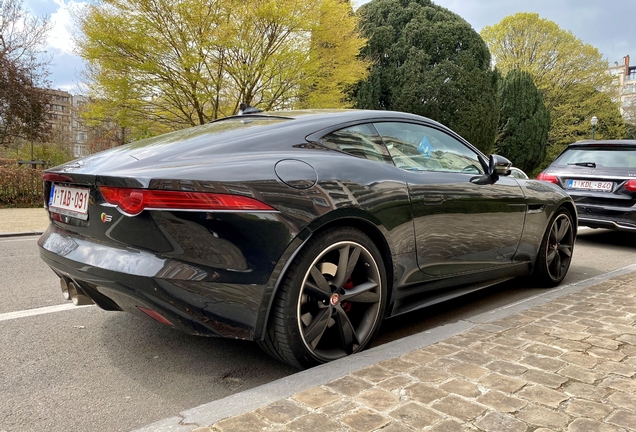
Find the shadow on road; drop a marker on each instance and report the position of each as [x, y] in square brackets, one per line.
[211, 368]
[603, 237]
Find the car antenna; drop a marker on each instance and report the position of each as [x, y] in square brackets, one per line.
[247, 109]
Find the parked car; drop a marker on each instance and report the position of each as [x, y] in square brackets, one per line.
[600, 176]
[301, 230]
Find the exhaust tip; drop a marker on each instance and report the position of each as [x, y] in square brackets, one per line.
[64, 286]
[78, 296]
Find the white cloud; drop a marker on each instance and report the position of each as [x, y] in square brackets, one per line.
[60, 36]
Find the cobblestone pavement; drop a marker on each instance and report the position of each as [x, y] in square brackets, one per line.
[568, 365]
[23, 220]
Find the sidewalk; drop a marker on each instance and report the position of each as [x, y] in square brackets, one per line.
[23, 221]
[567, 364]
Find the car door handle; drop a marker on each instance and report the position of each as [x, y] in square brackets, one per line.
[432, 199]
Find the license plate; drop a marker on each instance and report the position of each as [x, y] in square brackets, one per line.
[592, 185]
[69, 201]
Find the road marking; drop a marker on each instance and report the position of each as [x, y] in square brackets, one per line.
[17, 240]
[39, 311]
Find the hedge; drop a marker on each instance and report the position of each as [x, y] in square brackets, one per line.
[20, 187]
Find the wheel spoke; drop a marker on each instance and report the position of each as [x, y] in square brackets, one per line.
[563, 229]
[553, 234]
[556, 266]
[346, 264]
[320, 287]
[566, 249]
[551, 256]
[317, 327]
[347, 333]
[362, 293]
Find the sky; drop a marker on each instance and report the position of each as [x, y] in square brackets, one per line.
[610, 26]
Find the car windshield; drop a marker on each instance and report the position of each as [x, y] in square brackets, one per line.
[592, 157]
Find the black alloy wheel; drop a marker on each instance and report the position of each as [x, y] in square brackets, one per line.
[556, 250]
[338, 289]
[339, 303]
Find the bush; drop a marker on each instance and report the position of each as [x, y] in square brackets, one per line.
[20, 187]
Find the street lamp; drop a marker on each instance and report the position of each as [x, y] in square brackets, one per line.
[594, 121]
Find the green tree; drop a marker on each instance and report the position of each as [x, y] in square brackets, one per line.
[335, 46]
[556, 59]
[524, 121]
[569, 73]
[429, 61]
[630, 131]
[572, 119]
[186, 62]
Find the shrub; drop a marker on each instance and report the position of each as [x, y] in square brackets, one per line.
[20, 187]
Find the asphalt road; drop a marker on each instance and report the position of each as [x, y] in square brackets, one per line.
[85, 369]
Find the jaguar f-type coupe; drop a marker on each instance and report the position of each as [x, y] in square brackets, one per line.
[301, 230]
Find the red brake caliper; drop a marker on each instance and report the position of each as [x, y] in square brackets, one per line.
[348, 285]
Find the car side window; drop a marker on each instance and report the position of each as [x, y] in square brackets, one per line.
[360, 140]
[416, 147]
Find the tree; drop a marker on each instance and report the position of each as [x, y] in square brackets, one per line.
[562, 67]
[186, 62]
[22, 71]
[335, 46]
[630, 131]
[524, 121]
[556, 59]
[427, 60]
[22, 106]
[572, 119]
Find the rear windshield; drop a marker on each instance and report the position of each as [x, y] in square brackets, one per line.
[224, 126]
[607, 157]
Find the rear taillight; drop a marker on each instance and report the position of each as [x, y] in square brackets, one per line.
[548, 178]
[630, 185]
[134, 201]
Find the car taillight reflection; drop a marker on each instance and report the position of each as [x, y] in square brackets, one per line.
[548, 178]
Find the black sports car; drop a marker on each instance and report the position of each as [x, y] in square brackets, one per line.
[301, 230]
[600, 176]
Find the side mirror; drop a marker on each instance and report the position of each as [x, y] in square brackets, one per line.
[498, 166]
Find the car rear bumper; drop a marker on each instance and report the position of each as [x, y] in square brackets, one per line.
[618, 218]
[124, 278]
[610, 224]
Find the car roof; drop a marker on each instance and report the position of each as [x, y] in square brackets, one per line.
[592, 143]
[333, 116]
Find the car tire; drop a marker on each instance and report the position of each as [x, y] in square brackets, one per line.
[331, 301]
[555, 253]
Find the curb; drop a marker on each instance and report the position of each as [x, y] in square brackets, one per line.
[249, 400]
[21, 234]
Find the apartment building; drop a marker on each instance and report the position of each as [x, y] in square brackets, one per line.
[625, 76]
[59, 115]
[80, 146]
[68, 129]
